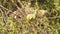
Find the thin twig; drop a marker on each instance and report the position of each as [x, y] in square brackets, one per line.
[3, 7]
[8, 11]
[4, 20]
[55, 17]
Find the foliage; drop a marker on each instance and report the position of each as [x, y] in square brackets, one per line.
[49, 23]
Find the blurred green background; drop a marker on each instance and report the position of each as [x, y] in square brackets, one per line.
[41, 25]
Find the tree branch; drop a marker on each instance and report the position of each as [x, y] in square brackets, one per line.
[4, 19]
[55, 17]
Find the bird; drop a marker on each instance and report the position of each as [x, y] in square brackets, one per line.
[31, 17]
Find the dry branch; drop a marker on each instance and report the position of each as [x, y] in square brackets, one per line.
[19, 3]
[3, 7]
[4, 19]
[55, 17]
[8, 11]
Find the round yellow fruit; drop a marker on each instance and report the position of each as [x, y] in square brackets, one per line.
[31, 16]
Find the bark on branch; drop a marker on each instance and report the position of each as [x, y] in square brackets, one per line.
[4, 18]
